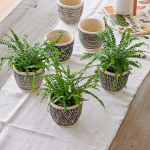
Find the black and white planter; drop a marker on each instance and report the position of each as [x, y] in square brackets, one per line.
[67, 118]
[70, 11]
[107, 81]
[66, 42]
[23, 81]
[87, 30]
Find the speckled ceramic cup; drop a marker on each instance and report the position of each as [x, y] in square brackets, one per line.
[70, 11]
[23, 81]
[107, 81]
[66, 42]
[67, 118]
[87, 29]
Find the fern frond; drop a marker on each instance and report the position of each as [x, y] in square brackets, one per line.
[113, 57]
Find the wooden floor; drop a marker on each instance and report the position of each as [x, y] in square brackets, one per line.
[134, 132]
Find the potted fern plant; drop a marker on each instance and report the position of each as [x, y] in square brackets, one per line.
[115, 64]
[26, 61]
[64, 91]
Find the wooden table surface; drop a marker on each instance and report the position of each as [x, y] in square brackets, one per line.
[31, 17]
[6, 6]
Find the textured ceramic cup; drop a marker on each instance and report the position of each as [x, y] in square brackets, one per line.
[107, 81]
[67, 118]
[66, 42]
[23, 81]
[70, 11]
[87, 29]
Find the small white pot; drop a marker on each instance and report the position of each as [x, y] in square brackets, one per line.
[66, 42]
[70, 11]
[123, 7]
[87, 29]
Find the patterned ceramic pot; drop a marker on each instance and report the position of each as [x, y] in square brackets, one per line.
[87, 29]
[66, 42]
[107, 81]
[23, 81]
[67, 118]
[70, 11]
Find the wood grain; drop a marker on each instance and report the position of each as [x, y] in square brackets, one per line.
[134, 132]
[134, 7]
[6, 6]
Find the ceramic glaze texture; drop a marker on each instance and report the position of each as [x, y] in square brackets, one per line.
[23, 81]
[89, 41]
[88, 30]
[107, 82]
[67, 118]
[70, 14]
[66, 43]
[67, 53]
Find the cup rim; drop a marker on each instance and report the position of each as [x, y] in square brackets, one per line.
[24, 73]
[88, 32]
[62, 44]
[113, 74]
[62, 107]
[75, 6]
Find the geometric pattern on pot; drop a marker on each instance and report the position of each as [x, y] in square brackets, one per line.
[23, 81]
[70, 15]
[67, 118]
[89, 41]
[67, 53]
[88, 30]
[66, 42]
[107, 81]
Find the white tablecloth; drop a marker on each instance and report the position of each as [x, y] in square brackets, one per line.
[25, 123]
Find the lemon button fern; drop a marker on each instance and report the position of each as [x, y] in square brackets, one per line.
[66, 88]
[116, 58]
